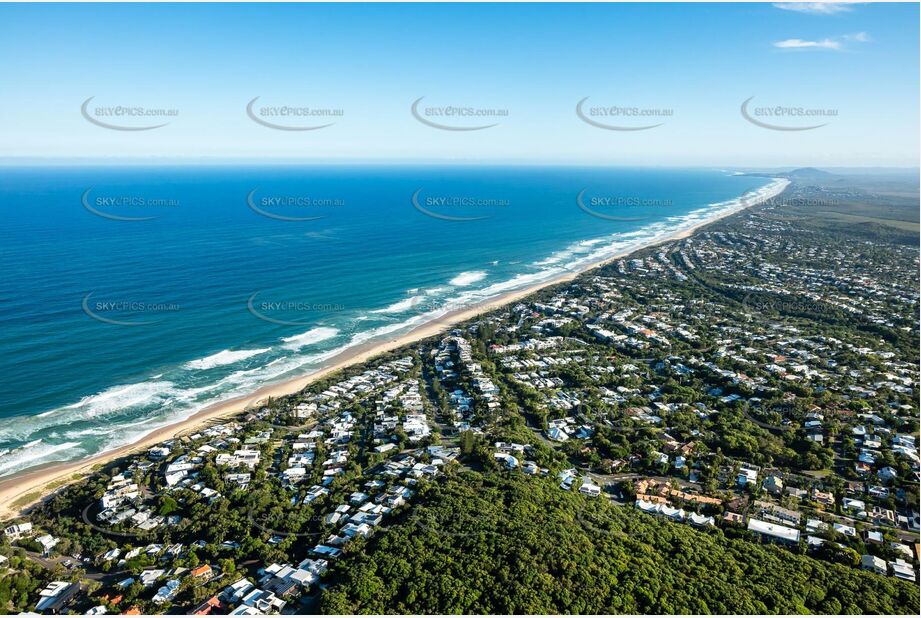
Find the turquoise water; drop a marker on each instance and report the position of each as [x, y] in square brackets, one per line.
[133, 297]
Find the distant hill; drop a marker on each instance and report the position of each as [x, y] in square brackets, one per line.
[800, 174]
[883, 204]
[808, 173]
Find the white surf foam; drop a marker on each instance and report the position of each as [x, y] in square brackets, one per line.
[468, 278]
[110, 401]
[224, 357]
[403, 305]
[36, 453]
[312, 336]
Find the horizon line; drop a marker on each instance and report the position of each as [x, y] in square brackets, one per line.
[219, 160]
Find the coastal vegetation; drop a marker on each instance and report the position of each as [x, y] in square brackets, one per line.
[497, 543]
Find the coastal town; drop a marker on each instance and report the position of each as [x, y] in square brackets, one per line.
[755, 382]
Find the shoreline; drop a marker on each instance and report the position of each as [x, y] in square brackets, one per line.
[16, 491]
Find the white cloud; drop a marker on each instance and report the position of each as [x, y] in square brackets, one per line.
[801, 44]
[816, 8]
[835, 43]
[860, 37]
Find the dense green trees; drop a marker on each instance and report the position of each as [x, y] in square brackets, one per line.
[19, 578]
[505, 543]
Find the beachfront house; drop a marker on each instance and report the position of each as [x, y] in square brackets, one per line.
[17, 531]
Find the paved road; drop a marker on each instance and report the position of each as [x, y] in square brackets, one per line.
[91, 572]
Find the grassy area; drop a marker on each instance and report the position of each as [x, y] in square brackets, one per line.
[26, 499]
[34, 496]
[907, 226]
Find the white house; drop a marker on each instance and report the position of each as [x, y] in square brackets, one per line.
[17, 531]
[872, 563]
[47, 542]
[774, 532]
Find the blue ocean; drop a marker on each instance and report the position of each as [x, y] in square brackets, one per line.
[133, 297]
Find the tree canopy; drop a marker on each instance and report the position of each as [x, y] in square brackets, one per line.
[503, 543]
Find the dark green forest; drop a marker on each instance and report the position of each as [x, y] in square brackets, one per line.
[501, 544]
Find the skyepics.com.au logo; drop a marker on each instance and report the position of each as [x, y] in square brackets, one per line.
[451, 207]
[457, 117]
[126, 206]
[622, 117]
[292, 207]
[126, 312]
[127, 117]
[289, 312]
[767, 302]
[424, 306]
[812, 203]
[293, 117]
[785, 117]
[781, 304]
[618, 207]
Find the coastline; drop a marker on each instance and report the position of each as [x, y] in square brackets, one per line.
[21, 491]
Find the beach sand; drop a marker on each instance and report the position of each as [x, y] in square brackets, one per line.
[19, 492]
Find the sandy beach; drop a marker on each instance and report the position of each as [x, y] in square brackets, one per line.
[20, 491]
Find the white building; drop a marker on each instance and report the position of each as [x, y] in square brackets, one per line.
[774, 532]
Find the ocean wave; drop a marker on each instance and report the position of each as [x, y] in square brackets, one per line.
[224, 357]
[312, 336]
[380, 331]
[117, 399]
[189, 402]
[579, 248]
[627, 242]
[552, 259]
[518, 281]
[122, 396]
[36, 453]
[83, 433]
[107, 430]
[403, 305]
[467, 278]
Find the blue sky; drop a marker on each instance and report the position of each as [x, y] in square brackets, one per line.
[536, 61]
